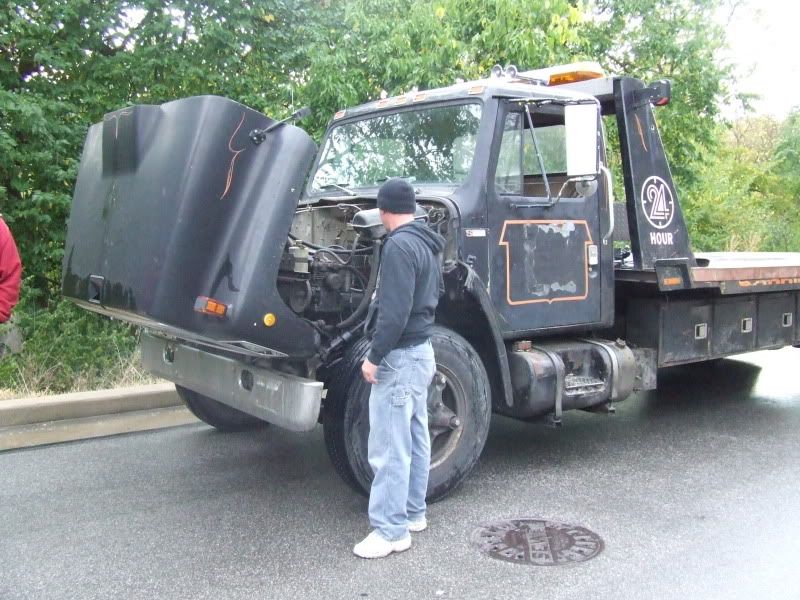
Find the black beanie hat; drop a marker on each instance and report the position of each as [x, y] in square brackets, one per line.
[397, 196]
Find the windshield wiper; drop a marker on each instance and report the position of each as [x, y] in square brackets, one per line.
[338, 186]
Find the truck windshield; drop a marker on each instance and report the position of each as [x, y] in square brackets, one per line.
[429, 145]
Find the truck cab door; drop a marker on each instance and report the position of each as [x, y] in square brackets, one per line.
[549, 264]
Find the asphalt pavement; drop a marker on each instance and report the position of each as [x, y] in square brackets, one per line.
[694, 490]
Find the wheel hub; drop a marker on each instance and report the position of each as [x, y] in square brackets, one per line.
[440, 418]
[444, 423]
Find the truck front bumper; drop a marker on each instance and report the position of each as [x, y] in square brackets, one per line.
[285, 400]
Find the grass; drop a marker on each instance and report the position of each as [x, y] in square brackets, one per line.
[31, 377]
[66, 349]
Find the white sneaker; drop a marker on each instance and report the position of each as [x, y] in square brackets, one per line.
[375, 546]
[418, 525]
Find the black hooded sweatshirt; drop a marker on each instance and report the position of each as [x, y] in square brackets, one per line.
[409, 285]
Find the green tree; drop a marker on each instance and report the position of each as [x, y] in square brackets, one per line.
[668, 39]
[727, 208]
[393, 46]
[746, 194]
[787, 156]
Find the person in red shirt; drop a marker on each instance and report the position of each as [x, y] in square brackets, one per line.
[10, 272]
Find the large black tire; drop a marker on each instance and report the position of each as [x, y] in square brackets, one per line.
[454, 452]
[217, 414]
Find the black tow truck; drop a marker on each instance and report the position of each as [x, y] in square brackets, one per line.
[249, 256]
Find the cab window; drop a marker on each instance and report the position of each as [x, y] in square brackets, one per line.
[519, 165]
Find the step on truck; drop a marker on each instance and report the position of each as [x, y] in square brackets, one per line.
[249, 256]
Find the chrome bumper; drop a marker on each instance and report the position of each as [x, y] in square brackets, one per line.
[286, 400]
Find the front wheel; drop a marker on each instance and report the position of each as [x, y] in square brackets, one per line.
[218, 415]
[459, 411]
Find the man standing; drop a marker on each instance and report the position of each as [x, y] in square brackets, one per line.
[400, 365]
[10, 272]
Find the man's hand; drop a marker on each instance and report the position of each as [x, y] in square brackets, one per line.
[368, 370]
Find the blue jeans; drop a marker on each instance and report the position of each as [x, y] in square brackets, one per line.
[399, 447]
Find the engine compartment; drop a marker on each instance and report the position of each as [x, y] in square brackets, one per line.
[329, 265]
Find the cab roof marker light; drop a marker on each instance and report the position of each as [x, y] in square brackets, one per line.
[339, 114]
[400, 100]
[573, 77]
[419, 97]
[570, 73]
[476, 89]
[382, 103]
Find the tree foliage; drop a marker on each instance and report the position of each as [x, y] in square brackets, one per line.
[787, 156]
[747, 196]
[375, 47]
[677, 40]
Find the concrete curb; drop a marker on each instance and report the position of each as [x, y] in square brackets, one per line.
[51, 419]
[87, 404]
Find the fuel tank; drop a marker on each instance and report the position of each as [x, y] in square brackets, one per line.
[175, 205]
[554, 376]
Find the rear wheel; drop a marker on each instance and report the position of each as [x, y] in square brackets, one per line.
[459, 410]
[217, 414]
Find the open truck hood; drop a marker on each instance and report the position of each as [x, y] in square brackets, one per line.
[174, 203]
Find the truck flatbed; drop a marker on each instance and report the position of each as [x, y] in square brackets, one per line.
[734, 272]
[753, 270]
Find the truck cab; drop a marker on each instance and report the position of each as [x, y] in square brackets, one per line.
[249, 256]
[496, 151]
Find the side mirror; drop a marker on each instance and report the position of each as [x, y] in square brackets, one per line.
[581, 122]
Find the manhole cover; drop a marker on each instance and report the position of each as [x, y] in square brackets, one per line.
[537, 542]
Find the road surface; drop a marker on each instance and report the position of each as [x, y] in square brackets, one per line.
[695, 491]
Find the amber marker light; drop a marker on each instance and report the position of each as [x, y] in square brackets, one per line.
[209, 306]
[270, 319]
[574, 76]
[571, 73]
